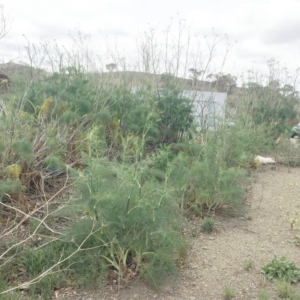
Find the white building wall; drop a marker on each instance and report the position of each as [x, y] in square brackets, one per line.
[209, 108]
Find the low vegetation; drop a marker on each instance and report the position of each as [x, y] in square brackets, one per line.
[263, 295]
[208, 225]
[100, 174]
[286, 291]
[281, 269]
[249, 265]
[229, 293]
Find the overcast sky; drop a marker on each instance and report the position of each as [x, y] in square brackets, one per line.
[259, 29]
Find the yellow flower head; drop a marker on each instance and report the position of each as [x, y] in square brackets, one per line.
[13, 171]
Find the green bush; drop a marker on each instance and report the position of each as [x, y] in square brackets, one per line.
[282, 269]
[205, 181]
[138, 220]
[72, 93]
[271, 107]
[163, 158]
[175, 115]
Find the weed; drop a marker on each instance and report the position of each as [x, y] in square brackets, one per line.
[282, 269]
[286, 291]
[249, 265]
[229, 293]
[38, 261]
[296, 296]
[13, 296]
[263, 295]
[208, 225]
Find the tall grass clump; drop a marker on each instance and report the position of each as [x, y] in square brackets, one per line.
[210, 173]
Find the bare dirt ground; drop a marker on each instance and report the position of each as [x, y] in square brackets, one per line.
[219, 259]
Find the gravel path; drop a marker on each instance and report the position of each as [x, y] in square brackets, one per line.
[218, 260]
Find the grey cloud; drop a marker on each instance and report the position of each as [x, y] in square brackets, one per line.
[10, 44]
[283, 33]
[117, 32]
[52, 31]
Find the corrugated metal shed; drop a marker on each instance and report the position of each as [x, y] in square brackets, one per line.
[209, 108]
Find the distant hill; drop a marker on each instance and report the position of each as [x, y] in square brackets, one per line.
[134, 78]
[159, 80]
[12, 70]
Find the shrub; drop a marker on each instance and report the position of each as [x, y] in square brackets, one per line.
[137, 221]
[163, 158]
[175, 115]
[271, 107]
[207, 184]
[282, 269]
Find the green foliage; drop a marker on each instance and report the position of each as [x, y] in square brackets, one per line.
[207, 183]
[208, 225]
[286, 291]
[139, 115]
[11, 295]
[10, 186]
[162, 117]
[282, 269]
[229, 293]
[73, 93]
[209, 173]
[272, 108]
[295, 295]
[175, 115]
[263, 295]
[238, 144]
[76, 264]
[38, 261]
[138, 220]
[297, 240]
[95, 141]
[163, 158]
[55, 162]
[249, 265]
[159, 117]
[23, 148]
